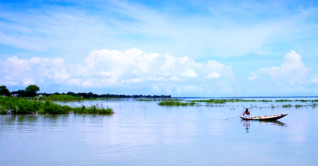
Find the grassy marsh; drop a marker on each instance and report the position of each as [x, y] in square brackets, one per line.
[18, 106]
[225, 102]
[175, 102]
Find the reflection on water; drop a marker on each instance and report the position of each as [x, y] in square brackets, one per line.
[29, 119]
[18, 119]
[143, 133]
[247, 123]
[276, 123]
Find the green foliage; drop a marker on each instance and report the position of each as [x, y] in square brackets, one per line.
[303, 100]
[298, 106]
[32, 90]
[174, 102]
[14, 105]
[64, 98]
[4, 91]
[3, 111]
[283, 100]
[93, 110]
[49, 107]
[223, 101]
[17, 106]
[215, 101]
[287, 106]
[149, 99]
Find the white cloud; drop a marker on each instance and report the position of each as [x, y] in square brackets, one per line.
[220, 31]
[292, 71]
[190, 73]
[253, 76]
[130, 68]
[35, 70]
[314, 79]
[214, 75]
[291, 77]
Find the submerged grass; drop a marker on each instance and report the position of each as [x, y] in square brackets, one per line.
[149, 99]
[92, 110]
[303, 100]
[215, 101]
[223, 101]
[287, 106]
[175, 102]
[16, 106]
[283, 100]
[298, 106]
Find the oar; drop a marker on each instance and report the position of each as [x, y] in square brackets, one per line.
[232, 117]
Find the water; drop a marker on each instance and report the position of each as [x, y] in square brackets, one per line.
[143, 133]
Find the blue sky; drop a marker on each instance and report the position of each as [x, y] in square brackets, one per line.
[182, 48]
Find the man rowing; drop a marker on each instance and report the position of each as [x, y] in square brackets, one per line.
[246, 113]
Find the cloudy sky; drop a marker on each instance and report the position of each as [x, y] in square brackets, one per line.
[182, 48]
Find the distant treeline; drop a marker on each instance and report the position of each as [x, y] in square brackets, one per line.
[90, 95]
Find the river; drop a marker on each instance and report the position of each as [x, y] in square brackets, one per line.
[144, 133]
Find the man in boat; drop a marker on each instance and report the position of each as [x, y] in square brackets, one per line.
[246, 113]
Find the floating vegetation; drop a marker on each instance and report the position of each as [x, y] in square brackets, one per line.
[175, 102]
[215, 101]
[303, 100]
[256, 100]
[287, 106]
[223, 101]
[149, 99]
[17, 106]
[307, 100]
[284, 100]
[92, 110]
[298, 106]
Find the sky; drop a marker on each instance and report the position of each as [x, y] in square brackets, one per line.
[188, 48]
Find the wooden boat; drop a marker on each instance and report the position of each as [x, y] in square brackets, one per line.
[265, 117]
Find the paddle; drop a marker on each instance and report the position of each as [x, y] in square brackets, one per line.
[232, 117]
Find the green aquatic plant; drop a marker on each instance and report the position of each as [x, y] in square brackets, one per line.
[148, 99]
[223, 101]
[49, 107]
[64, 98]
[15, 105]
[175, 102]
[298, 106]
[303, 100]
[283, 100]
[92, 110]
[215, 101]
[287, 106]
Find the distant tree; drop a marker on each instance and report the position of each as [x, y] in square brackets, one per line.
[4, 91]
[20, 93]
[32, 90]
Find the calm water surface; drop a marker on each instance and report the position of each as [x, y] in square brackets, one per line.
[143, 133]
